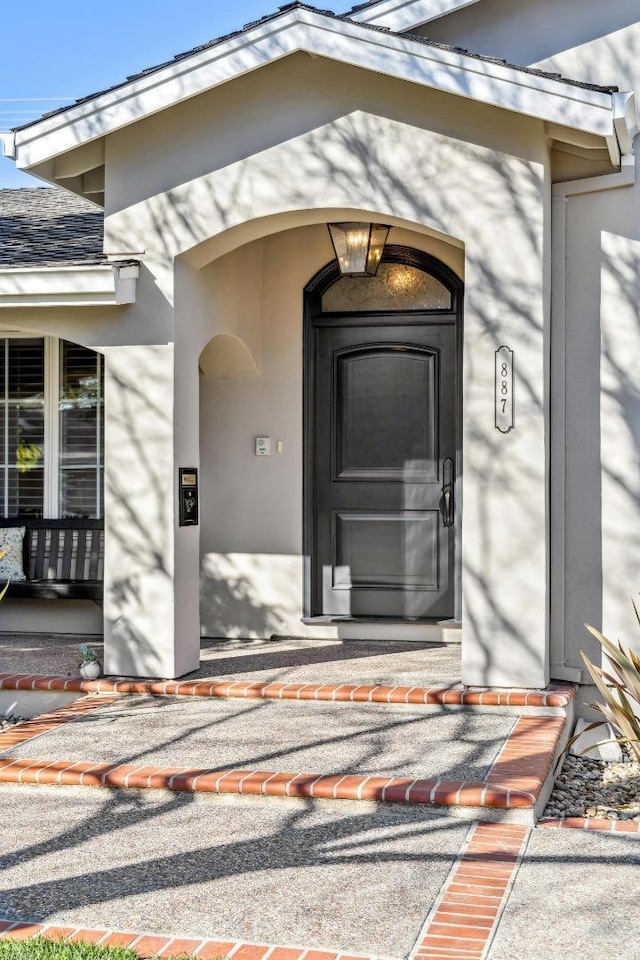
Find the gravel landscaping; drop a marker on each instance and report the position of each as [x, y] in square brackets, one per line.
[594, 788]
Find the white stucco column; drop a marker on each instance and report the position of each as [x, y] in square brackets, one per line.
[504, 509]
[144, 633]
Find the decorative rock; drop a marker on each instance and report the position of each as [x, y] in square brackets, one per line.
[593, 788]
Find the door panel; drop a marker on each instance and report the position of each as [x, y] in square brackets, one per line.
[381, 395]
[384, 421]
[393, 550]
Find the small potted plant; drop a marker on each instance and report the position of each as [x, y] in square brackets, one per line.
[90, 668]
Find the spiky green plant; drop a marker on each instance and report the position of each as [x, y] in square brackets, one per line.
[619, 686]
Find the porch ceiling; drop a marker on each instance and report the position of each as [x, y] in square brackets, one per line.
[51, 146]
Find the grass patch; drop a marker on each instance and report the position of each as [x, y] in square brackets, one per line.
[40, 948]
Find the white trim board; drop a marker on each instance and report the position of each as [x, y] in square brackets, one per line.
[86, 286]
[401, 15]
[301, 29]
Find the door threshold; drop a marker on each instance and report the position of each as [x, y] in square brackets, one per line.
[311, 621]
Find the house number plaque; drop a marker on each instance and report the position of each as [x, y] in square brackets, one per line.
[504, 390]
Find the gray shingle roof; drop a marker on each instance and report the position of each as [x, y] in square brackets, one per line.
[327, 13]
[42, 227]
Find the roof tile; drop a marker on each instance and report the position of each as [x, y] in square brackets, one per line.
[46, 226]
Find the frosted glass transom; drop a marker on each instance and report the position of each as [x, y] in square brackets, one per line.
[396, 286]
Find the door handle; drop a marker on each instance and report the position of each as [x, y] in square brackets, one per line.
[447, 490]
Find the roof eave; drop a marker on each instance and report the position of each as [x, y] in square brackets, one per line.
[78, 285]
[404, 15]
[301, 29]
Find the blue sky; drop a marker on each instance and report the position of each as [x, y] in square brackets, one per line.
[55, 52]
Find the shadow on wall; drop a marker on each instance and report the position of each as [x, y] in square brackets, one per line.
[502, 566]
[620, 433]
[139, 505]
[246, 595]
[231, 604]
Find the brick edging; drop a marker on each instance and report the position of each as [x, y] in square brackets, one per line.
[465, 916]
[161, 945]
[600, 824]
[527, 755]
[513, 782]
[45, 722]
[268, 783]
[558, 695]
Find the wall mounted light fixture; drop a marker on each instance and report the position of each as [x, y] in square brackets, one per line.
[358, 247]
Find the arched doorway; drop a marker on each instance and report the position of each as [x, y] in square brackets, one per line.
[382, 449]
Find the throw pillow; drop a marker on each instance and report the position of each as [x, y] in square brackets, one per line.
[11, 553]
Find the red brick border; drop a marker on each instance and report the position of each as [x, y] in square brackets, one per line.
[592, 823]
[557, 695]
[514, 780]
[464, 918]
[28, 729]
[268, 783]
[152, 945]
[525, 760]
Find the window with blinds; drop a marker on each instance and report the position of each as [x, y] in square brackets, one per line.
[51, 428]
[22, 426]
[81, 432]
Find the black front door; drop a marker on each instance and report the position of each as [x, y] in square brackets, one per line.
[382, 463]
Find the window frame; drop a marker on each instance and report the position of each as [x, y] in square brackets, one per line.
[51, 446]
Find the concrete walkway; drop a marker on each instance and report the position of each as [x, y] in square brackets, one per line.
[328, 878]
[276, 878]
[575, 896]
[290, 659]
[274, 735]
[294, 873]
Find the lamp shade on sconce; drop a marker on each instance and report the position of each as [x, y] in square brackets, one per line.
[358, 247]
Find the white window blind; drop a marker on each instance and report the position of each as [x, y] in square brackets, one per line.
[22, 425]
[81, 444]
[51, 428]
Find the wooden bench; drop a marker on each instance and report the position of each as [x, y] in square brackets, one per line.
[62, 559]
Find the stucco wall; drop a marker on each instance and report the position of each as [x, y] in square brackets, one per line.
[307, 142]
[596, 408]
[79, 617]
[529, 31]
[597, 506]
[602, 338]
[364, 147]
